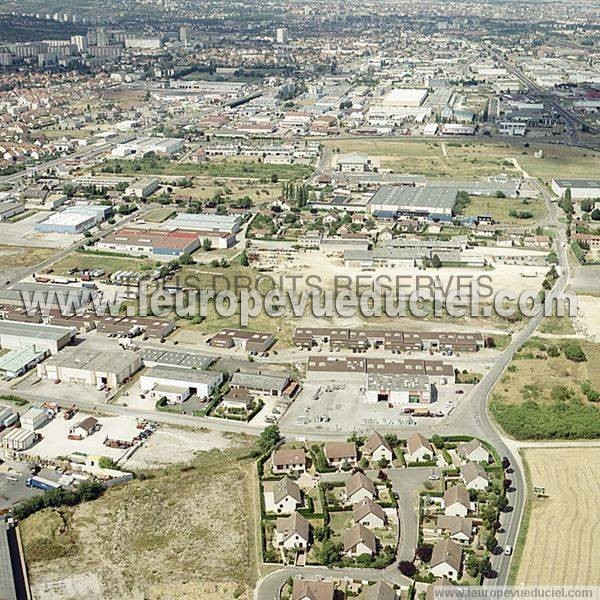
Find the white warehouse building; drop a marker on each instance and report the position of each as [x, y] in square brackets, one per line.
[178, 384]
[580, 188]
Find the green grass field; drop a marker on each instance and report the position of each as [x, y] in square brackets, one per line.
[224, 168]
[500, 208]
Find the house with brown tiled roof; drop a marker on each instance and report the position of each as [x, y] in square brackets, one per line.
[459, 529]
[283, 496]
[289, 460]
[418, 448]
[358, 487]
[312, 590]
[292, 532]
[359, 540]
[456, 501]
[474, 476]
[446, 559]
[368, 513]
[340, 453]
[377, 448]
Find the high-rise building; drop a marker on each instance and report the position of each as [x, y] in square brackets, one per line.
[282, 35]
[185, 34]
[81, 42]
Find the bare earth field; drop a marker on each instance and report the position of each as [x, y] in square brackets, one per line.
[183, 532]
[563, 539]
[17, 256]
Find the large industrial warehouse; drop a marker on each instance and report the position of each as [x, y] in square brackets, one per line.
[15, 335]
[580, 188]
[92, 367]
[434, 204]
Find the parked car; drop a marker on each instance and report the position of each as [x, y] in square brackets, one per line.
[508, 550]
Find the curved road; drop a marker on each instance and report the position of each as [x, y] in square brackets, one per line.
[472, 418]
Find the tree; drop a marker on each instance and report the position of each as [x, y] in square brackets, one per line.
[206, 244]
[185, 259]
[424, 552]
[490, 542]
[436, 262]
[596, 215]
[328, 553]
[268, 439]
[244, 259]
[407, 568]
[105, 462]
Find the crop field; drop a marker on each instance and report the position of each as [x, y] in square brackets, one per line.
[563, 538]
[182, 532]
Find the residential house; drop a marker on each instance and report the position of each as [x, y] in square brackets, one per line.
[369, 513]
[289, 460]
[359, 540]
[459, 529]
[359, 487]
[292, 532]
[312, 590]
[474, 476]
[339, 454]
[456, 501]
[380, 591]
[377, 448]
[446, 559]
[284, 496]
[474, 451]
[418, 448]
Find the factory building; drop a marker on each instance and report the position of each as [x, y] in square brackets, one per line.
[88, 366]
[580, 188]
[74, 219]
[220, 230]
[177, 384]
[399, 389]
[16, 335]
[17, 362]
[143, 188]
[256, 341]
[158, 242]
[434, 204]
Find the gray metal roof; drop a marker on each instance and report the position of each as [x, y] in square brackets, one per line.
[7, 580]
[76, 357]
[261, 381]
[38, 331]
[178, 359]
[186, 375]
[413, 198]
[578, 183]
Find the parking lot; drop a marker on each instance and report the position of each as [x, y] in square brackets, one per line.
[340, 404]
[55, 440]
[13, 475]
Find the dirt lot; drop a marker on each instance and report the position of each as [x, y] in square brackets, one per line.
[184, 532]
[562, 545]
[16, 256]
[472, 160]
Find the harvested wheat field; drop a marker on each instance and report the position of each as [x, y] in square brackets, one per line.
[563, 540]
[181, 532]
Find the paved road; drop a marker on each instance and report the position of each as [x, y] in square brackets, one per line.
[470, 417]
